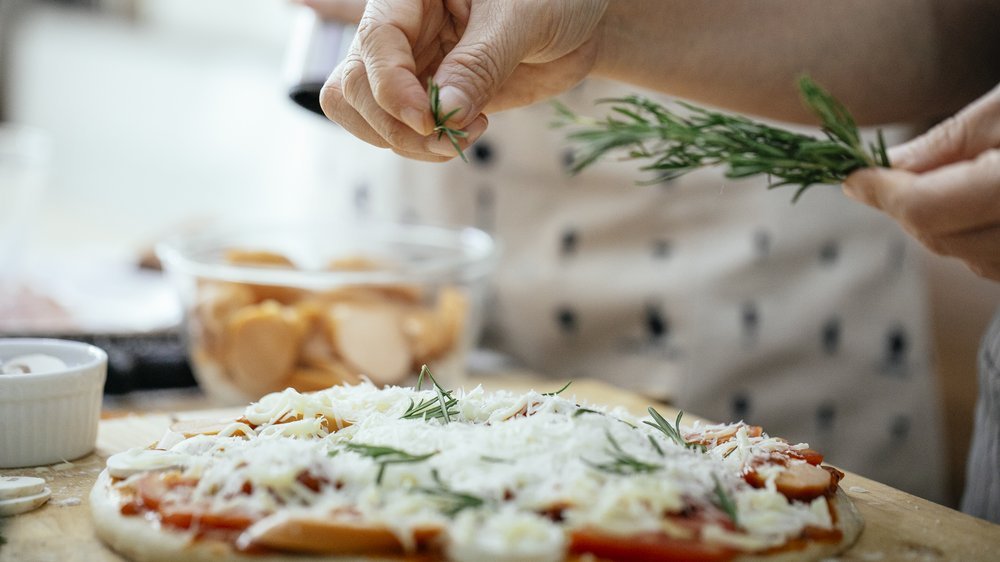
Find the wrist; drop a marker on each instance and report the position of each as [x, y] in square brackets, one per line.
[611, 37]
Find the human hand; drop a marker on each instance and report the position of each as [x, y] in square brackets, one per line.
[486, 55]
[944, 187]
[344, 11]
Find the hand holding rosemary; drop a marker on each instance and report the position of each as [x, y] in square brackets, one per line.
[676, 144]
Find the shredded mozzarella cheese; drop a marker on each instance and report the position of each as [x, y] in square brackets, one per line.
[507, 478]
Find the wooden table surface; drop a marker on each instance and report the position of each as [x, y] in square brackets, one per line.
[898, 526]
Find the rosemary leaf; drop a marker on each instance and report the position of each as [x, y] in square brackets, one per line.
[558, 392]
[496, 460]
[674, 144]
[725, 501]
[655, 445]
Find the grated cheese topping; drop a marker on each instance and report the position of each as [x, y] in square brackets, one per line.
[506, 479]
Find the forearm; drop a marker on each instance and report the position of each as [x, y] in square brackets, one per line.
[887, 60]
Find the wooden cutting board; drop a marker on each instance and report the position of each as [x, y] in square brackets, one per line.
[898, 526]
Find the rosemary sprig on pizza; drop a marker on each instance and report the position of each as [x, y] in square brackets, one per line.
[359, 472]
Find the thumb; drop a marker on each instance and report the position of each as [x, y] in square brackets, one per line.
[878, 187]
[472, 73]
[962, 137]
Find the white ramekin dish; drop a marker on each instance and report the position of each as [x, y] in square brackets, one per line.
[47, 418]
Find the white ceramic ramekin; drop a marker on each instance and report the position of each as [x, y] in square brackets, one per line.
[50, 417]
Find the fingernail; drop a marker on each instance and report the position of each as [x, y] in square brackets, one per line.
[451, 99]
[858, 185]
[897, 156]
[415, 119]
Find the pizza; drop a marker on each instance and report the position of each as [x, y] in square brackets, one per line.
[357, 472]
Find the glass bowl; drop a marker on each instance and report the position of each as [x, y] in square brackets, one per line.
[308, 306]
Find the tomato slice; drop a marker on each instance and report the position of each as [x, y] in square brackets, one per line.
[651, 547]
[150, 491]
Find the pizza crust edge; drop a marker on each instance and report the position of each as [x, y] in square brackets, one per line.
[138, 540]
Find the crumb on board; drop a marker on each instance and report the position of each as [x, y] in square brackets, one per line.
[857, 490]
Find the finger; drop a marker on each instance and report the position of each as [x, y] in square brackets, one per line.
[336, 109]
[971, 131]
[477, 67]
[422, 156]
[529, 83]
[385, 41]
[950, 199]
[345, 11]
[986, 270]
[399, 136]
[980, 246]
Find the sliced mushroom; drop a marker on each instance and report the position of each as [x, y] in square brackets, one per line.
[428, 334]
[265, 258]
[329, 536]
[353, 263]
[217, 302]
[452, 309]
[262, 345]
[803, 481]
[368, 337]
[306, 379]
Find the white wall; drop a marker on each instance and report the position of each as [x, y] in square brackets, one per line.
[178, 115]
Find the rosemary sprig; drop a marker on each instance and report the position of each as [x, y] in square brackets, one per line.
[581, 411]
[441, 406]
[675, 144]
[558, 392]
[385, 456]
[621, 463]
[673, 432]
[725, 501]
[450, 501]
[440, 120]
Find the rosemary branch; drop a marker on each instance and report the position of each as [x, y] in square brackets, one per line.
[675, 144]
[558, 392]
[673, 432]
[441, 406]
[385, 456]
[450, 501]
[440, 119]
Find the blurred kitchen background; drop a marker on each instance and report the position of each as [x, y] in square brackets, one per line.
[153, 116]
[165, 113]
